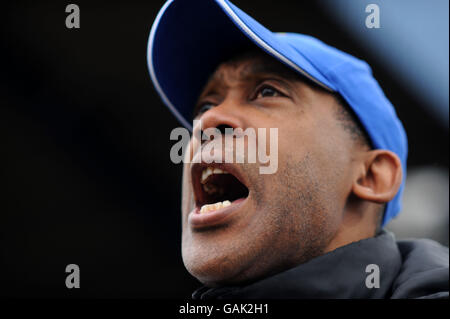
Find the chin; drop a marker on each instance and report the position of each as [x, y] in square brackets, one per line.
[213, 271]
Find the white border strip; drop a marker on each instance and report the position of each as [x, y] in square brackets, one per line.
[151, 68]
[265, 46]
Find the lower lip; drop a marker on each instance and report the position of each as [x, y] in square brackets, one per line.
[214, 218]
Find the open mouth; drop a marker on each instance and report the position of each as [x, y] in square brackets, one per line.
[216, 186]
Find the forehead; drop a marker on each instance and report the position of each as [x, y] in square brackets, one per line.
[251, 65]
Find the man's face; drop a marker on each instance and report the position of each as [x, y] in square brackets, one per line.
[275, 221]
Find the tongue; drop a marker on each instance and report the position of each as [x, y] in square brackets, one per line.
[213, 207]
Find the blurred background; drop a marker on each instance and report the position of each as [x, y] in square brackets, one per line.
[84, 137]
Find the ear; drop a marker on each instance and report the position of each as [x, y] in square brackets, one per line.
[379, 176]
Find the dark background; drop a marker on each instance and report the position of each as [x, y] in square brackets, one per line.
[85, 166]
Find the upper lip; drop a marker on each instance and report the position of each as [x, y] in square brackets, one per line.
[196, 173]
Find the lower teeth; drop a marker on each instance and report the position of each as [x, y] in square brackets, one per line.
[212, 207]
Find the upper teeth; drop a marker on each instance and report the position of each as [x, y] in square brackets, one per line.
[209, 171]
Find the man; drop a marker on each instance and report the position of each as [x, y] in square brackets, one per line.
[313, 228]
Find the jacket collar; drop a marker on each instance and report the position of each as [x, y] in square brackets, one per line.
[337, 274]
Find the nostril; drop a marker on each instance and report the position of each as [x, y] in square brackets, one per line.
[222, 128]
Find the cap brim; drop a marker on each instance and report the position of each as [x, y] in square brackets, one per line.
[189, 39]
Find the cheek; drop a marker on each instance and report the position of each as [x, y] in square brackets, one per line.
[313, 161]
[333, 158]
[330, 166]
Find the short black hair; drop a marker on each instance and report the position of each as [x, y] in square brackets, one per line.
[350, 123]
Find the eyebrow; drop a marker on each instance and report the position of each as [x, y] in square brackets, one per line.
[272, 68]
[261, 66]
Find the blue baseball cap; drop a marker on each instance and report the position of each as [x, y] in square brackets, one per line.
[189, 39]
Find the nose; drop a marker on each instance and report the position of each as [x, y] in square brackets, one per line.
[225, 115]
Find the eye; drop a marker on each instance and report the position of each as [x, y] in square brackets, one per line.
[203, 107]
[267, 91]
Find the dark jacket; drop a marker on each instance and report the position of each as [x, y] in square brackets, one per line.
[407, 269]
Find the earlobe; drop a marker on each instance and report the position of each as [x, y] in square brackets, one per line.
[379, 177]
